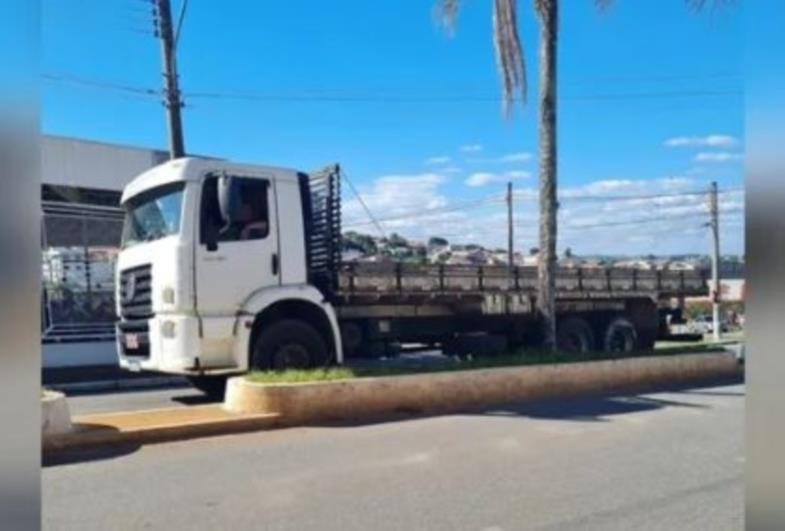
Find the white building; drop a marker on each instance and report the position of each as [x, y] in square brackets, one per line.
[81, 185]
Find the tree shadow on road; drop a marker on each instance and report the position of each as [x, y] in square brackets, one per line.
[582, 408]
[588, 409]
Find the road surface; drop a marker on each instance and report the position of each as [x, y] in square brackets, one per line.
[660, 461]
[83, 404]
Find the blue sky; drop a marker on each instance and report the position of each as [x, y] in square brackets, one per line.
[413, 114]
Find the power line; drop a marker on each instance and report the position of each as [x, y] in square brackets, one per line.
[610, 198]
[435, 211]
[384, 98]
[365, 207]
[412, 215]
[392, 98]
[108, 85]
[644, 220]
[180, 19]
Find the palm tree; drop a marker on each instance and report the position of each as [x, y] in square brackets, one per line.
[510, 60]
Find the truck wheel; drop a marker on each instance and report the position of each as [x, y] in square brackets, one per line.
[351, 338]
[620, 336]
[574, 334]
[288, 344]
[212, 386]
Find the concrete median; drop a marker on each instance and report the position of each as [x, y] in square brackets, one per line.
[354, 399]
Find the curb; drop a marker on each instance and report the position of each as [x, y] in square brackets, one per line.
[55, 415]
[119, 385]
[152, 426]
[355, 399]
[252, 407]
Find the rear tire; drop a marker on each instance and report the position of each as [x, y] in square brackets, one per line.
[288, 344]
[212, 386]
[574, 334]
[620, 336]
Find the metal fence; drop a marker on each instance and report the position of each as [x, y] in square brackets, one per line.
[80, 243]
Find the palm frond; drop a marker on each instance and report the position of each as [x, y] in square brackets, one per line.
[509, 52]
[694, 5]
[446, 12]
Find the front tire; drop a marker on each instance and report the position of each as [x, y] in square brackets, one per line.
[288, 344]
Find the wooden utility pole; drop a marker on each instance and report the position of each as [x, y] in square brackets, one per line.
[510, 255]
[715, 260]
[172, 100]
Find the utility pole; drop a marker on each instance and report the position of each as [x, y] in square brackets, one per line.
[510, 255]
[172, 101]
[715, 260]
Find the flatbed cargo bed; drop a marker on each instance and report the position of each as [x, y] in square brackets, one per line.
[399, 281]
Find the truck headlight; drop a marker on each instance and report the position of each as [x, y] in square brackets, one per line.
[168, 329]
[168, 295]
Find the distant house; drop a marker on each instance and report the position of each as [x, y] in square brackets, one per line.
[571, 262]
[679, 266]
[594, 263]
[645, 265]
[351, 254]
[473, 257]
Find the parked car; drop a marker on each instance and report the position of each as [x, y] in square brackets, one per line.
[704, 324]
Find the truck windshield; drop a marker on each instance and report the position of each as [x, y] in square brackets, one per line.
[153, 214]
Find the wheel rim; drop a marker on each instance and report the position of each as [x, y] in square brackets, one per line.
[575, 342]
[621, 339]
[291, 356]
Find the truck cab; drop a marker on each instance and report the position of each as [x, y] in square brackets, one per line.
[213, 255]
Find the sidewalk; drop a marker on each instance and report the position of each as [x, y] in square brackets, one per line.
[100, 378]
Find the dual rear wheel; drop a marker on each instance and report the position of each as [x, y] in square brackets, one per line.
[617, 334]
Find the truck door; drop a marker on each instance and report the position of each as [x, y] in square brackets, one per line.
[232, 261]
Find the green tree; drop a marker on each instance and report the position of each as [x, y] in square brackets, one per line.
[437, 241]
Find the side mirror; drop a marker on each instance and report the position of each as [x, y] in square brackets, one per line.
[229, 199]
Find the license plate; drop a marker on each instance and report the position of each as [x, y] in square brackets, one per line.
[131, 341]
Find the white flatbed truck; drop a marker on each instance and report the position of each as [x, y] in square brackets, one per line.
[230, 267]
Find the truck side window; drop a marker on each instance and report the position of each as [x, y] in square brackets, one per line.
[254, 212]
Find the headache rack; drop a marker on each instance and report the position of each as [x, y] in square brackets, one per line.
[321, 195]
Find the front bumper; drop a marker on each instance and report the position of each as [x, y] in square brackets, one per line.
[164, 343]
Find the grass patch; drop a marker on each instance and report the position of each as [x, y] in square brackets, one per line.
[517, 359]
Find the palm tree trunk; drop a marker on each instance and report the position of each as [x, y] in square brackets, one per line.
[546, 266]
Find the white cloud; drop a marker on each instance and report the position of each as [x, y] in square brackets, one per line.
[521, 156]
[485, 178]
[450, 169]
[392, 195]
[589, 222]
[471, 148]
[719, 156]
[516, 157]
[697, 170]
[441, 159]
[702, 141]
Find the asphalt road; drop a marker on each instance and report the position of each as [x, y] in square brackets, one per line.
[661, 461]
[182, 396]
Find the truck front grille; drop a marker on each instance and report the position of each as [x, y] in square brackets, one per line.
[136, 292]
